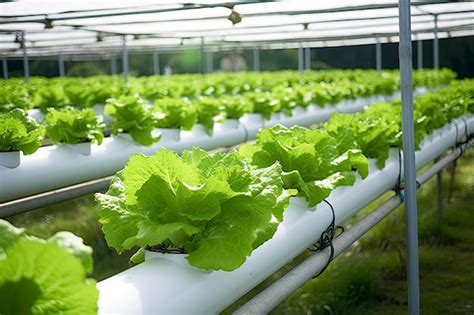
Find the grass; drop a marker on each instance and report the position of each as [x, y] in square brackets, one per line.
[370, 278]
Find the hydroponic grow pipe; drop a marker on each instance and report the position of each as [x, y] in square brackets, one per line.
[278, 291]
[57, 166]
[166, 284]
[409, 160]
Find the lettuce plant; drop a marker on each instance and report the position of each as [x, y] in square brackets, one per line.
[131, 115]
[209, 110]
[48, 96]
[71, 126]
[14, 95]
[174, 113]
[215, 207]
[235, 106]
[372, 134]
[314, 163]
[18, 132]
[45, 276]
[264, 103]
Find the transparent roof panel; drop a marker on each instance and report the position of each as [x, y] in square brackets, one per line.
[41, 7]
[93, 25]
[204, 13]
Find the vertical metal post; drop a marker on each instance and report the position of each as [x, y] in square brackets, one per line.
[256, 59]
[5, 67]
[307, 58]
[210, 61]
[203, 61]
[419, 53]
[405, 55]
[439, 182]
[62, 69]
[113, 65]
[26, 63]
[435, 43]
[378, 54]
[300, 58]
[156, 63]
[125, 58]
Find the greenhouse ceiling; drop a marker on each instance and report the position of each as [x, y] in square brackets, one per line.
[50, 27]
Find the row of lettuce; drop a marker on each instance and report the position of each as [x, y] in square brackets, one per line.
[319, 87]
[133, 114]
[216, 207]
[219, 207]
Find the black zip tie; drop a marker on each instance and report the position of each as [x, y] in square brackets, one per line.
[327, 237]
[398, 184]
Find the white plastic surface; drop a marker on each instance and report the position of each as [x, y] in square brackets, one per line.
[10, 159]
[81, 148]
[52, 167]
[161, 286]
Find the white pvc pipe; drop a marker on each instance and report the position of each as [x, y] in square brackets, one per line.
[165, 284]
[52, 167]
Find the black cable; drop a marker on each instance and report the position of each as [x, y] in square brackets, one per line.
[327, 237]
[398, 184]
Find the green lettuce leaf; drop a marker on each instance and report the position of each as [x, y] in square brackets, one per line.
[311, 159]
[69, 125]
[41, 277]
[131, 115]
[185, 202]
[174, 113]
[18, 132]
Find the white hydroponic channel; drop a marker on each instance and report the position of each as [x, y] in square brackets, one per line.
[56, 166]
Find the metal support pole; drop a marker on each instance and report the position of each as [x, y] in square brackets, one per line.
[439, 183]
[203, 61]
[408, 137]
[156, 63]
[125, 58]
[209, 62]
[435, 44]
[5, 67]
[378, 54]
[300, 58]
[419, 53]
[26, 63]
[61, 67]
[307, 58]
[256, 59]
[113, 65]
